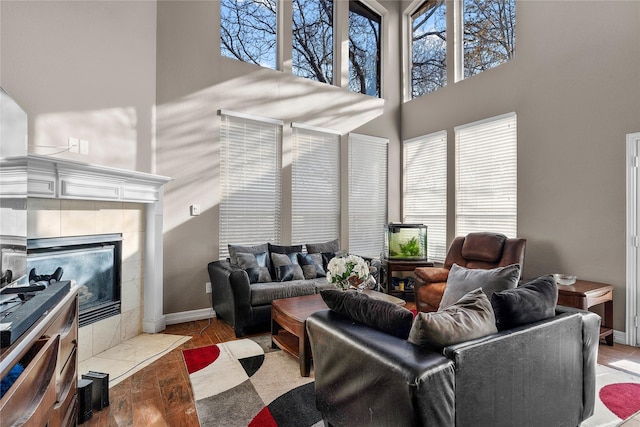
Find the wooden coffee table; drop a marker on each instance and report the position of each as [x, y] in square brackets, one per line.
[288, 324]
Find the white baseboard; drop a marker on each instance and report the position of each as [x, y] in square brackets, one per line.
[188, 316]
[619, 337]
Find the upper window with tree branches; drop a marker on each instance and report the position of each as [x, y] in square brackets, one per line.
[364, 49]
[429, 48]
[248, 31]
[313, 40]
[489, 34]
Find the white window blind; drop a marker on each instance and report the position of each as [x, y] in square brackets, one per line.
[315, 181]
[486, 176]
[367, 194]
[425, 189]
[250, 163]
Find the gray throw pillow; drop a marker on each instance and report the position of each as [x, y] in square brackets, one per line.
[384, 316]
[330, 246]
[462, 280]
[235, 249]
[469, 318]
[311, 265]
[255, 265]
[528, 303]
[284, 267]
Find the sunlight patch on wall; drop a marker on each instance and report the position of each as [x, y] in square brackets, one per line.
[188, 129]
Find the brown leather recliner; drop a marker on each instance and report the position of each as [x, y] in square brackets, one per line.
[476, 250]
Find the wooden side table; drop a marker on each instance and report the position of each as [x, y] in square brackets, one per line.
[584, 294]
[391, 265]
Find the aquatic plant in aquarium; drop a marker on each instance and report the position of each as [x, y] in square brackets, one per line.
[406, 241]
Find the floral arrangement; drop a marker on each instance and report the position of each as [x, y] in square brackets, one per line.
[348, 271]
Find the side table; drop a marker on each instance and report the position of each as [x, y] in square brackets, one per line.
[391, 265]
[584, 294]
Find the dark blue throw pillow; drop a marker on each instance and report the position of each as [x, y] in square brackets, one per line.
[528, 303]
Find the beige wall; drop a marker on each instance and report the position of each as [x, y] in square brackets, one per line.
[84, 69]
[575, 85]
[194, 82]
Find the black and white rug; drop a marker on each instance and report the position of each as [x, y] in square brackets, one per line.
[247, 383]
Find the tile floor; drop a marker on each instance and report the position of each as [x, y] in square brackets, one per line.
[132, 355]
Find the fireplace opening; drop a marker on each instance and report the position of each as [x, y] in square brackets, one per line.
[94, 262]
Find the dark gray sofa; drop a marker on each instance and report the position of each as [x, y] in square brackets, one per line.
[541, 374]
[245, 305]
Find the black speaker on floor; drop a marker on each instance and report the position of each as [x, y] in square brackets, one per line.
[85, 406]
[100, 389]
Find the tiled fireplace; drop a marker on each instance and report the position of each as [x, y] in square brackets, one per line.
[63, 218]
[67, 198]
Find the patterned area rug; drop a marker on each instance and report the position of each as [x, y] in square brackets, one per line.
[247, 383]
[618, 397]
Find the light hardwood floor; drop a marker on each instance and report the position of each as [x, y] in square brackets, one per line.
[160, 394]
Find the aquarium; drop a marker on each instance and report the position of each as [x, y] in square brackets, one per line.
[406, 241]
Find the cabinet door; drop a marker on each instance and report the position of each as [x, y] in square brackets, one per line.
[30, 400]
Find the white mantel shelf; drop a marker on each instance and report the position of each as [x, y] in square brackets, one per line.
[56, 178]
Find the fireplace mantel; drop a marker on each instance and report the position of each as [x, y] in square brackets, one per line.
[56, 178]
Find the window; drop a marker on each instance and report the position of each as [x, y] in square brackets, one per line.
[429, 48]
[367, 194]
[315, 180]
[486, 176]
[313, 39]
[489, 34]
[248, 31]
[425, 189]
[364, 49]
[250, 166]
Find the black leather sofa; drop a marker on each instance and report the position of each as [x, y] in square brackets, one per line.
[246, 305]
[541, 374]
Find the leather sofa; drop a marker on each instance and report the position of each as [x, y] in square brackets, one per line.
[247, 306]
[540, 374]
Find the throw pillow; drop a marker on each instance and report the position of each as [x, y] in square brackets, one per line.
[285, 269]
[255, 265]
[528, 303]
[469, 318]
[316, 248]
[462, 280]
[384, 316]
[311, 265]
[278, 249]
[235, 249]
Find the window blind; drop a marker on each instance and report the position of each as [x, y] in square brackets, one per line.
[315, 186]
[486, 176]
[250, 164]
[367, 194]
[425, 189]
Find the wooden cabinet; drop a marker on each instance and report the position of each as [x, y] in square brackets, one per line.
[45, 393]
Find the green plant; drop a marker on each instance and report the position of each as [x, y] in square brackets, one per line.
[411, 248]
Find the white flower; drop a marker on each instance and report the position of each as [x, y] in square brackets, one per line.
[351, 268]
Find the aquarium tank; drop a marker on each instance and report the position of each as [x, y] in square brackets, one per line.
[406, 241]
